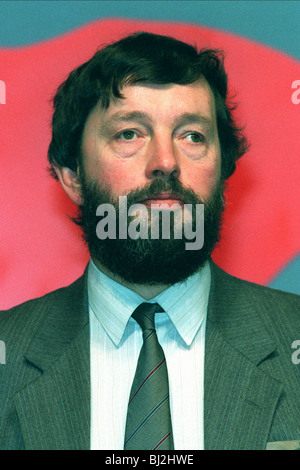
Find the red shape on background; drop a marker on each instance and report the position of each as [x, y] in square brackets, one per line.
[41, 249]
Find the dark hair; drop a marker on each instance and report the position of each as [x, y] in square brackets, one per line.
[140, 57]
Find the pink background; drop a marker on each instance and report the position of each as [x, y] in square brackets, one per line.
[41, 249]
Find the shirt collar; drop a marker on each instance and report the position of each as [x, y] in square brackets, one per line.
[185, 303]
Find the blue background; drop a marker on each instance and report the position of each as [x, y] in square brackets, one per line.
[275, 23]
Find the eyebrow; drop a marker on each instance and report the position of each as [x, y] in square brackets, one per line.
[189, 118]
[183, 119]
[126, 117]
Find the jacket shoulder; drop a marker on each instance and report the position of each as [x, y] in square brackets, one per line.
[23, 319]
[279, 310]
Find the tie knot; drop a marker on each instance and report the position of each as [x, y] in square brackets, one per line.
[144, 315]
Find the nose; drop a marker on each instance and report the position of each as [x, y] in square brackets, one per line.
[162, 160]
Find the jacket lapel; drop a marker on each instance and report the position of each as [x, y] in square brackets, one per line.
[54, 410]
[240, 399]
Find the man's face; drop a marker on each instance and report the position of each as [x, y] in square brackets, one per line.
[155, 132]
[157, 145]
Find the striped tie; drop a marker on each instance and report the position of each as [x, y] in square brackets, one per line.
[148, 425]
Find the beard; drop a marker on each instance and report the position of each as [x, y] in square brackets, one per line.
[146, 260]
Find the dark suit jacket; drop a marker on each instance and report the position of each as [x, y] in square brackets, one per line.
[252, 387]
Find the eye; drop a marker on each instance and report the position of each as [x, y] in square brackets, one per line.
[128, 134]
[195, 137]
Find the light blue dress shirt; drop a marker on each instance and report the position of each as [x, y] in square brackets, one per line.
[116, 340]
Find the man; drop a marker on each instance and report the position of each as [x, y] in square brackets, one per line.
[144, 124]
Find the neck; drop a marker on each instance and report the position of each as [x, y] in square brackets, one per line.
[147, 291]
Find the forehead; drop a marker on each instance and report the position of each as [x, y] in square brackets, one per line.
[161, 102]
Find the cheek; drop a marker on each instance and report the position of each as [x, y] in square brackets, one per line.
[120, 178]
[203, 179]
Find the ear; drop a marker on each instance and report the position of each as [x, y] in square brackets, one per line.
[69, 180]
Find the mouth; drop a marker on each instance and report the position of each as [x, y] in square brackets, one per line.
[167, 199]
